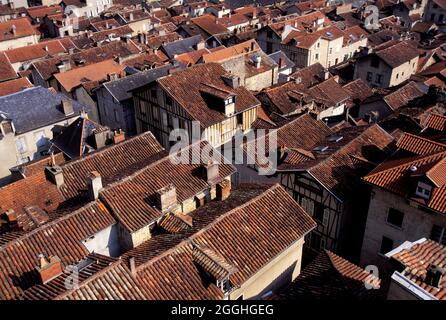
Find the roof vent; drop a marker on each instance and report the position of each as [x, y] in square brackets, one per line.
[413, 169]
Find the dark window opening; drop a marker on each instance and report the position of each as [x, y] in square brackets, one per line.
[386, 245]
[395, 217]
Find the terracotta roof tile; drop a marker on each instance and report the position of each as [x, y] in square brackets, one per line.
[418, 145]
[22, 26]
[13, 86]
[208, 23]
[403, 96]
[435, 122]
[7, 72]
[418, 258]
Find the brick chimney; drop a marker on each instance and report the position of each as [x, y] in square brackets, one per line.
[166, 198]
[94, 183]
[14, 29]
[118, 136]
[49, 268]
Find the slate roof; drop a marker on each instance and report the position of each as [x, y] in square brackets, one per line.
[35, 108]
[120, 89]
[78, 138]
[276, 56]
[181, 46]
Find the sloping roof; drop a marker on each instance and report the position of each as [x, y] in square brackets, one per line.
[395, 53]
[13, 86]
[103, 278]
[287, 63]
[231, 52]
[62, 237]
[330, 91]
[184, 86]
[330, 276]
[35, 107]
[35, 51]
[181, 46]
[309, 75]
[75, 139]
[94, 72]
[207, 22]
[403, 95]
[392, 176]
[120, 89]
[23, 28]
[112, 163]
[133, 199]
[435, 122]
[7, 72]
[336, 168]
[416, 259]
[358, 89]
[254, 234]
[418, 145]
[42, 11]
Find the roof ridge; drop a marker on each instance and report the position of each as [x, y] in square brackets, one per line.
[409, 160]
[421, 138]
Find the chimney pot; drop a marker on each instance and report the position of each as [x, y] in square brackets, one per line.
[132, 264]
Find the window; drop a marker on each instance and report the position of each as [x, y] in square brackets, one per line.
[40, 139]
[432, 16]
[369, 76]
[315, 241]
[402, 74]
[395, 217]
[330, 50]
[386, 245]
[7, 127]
[269, 47]
[378, 78]
[397, 75]
[156, 113]
[318, 214]
[21, 144]
[336, 61]
[440, 18]
[318, 44]
[316, 56]
[423, 190]
[439, 234]
[374, 61]
[229, 101]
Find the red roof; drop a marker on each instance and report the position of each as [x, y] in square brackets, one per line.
[436, 122]
[418, 145]
[35, 51]
[23, 28]
[13, 86]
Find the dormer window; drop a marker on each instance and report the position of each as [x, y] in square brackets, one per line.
[229, 101]
[423, 190]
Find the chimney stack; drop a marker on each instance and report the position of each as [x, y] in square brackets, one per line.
[118, 136]
[131, 16]
[14, 29]
[166, 198]
[94, 182]
[49, 268]
[100, 138]
[67, 106]
[253, 45]
[211, 172]
[55, 174]
[223, 190]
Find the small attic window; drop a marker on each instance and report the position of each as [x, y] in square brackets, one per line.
[229, 100]
[335, 138]
[321, 148]
[423, 190]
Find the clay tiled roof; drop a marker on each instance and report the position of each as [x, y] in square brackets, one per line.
[46, 68]
[132, 200]
[156, 42]
[436, 122]
[418, 145]
[392, 176]
[22, 26]
[329, 91]
[403, 96]
[94, 72]
[103, 278]
[417, 258]
[7, 72]
[395, 52]
[208, 23]
[358, 89]
[330, 276]
[117, 32]
[62, 237]
[112, 163]
[35, 51]
[238, 239]
[42, 11]
[13, 86]
[309, 75]
[37, 166]
[231, 52]
[184, 86]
